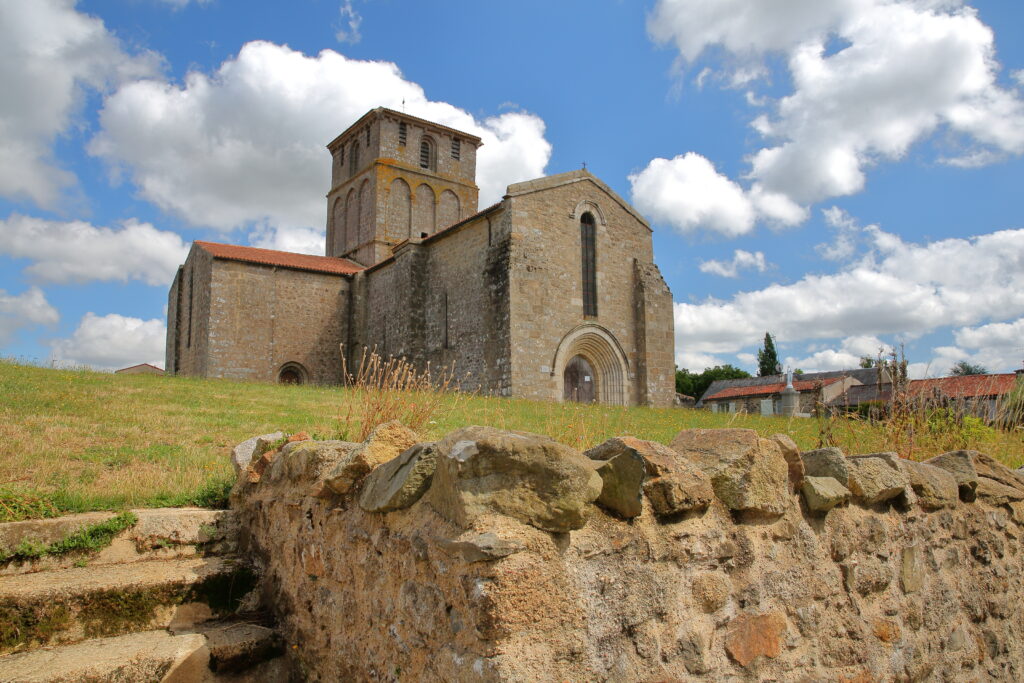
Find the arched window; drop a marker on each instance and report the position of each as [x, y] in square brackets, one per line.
[589, 253]
[353, 159]
[427, 155]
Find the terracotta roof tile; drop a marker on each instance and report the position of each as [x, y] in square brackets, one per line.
[282, 259]
[966, 386]
[764, 389]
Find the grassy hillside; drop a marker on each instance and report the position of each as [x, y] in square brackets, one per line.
[79, 440]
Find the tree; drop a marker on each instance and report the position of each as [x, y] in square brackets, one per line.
[867, 362]
[695, 384]
[963, 368]
[767, 358]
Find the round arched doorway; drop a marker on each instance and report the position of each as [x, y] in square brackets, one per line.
[590, 350]
[578, 381]
[291, 373]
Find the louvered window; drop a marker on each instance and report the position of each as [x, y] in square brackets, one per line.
[353, 159]
[402, 134]
[367, 137]
[426, 154]
[456, 148]
[588, 247]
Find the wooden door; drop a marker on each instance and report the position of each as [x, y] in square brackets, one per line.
[579, 381]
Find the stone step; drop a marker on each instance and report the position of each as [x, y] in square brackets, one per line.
[69, 605]
[159, 533]
[233, 652]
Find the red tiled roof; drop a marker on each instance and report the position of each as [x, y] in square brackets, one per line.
[763, 389]
[966, 386]
[282, 259]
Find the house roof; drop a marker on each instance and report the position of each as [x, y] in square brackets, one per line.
[139, 365]
[767, 389]
[281, 259]
[967, 386]
[862, 375]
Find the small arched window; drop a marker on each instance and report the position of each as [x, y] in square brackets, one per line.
[353, 159]
[589, 258]
[427, 155]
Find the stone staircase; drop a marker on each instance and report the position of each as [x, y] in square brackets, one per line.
[166, 599]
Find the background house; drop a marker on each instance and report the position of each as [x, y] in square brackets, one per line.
[763, 395]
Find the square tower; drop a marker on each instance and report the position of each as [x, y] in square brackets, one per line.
[396, 177]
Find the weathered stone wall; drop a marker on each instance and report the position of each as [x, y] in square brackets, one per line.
[724, 557]
[279, 316]
[443, 302]
[188, 316]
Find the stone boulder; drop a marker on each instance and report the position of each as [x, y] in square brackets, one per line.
[935, 487]
[747, 473]
[306, 462]
[243, 453]
[484, 547]
[980, 475]
[672, 484]
[622, 479]
[823, 493]
[384, 443]
[961, 465]
[877, 477]
[826, 462]
[531, 478]
[400, 482]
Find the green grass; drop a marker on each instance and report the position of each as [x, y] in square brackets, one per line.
[74, 440]
[87, 539]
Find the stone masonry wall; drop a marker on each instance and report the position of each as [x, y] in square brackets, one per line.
[188, 315]
[498, 556]
[264, 317]
[442, 302]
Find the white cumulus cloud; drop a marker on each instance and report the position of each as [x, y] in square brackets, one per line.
[245, 144]
[296, 240]
[897, 287]
[52, 55]
[741, 260]
[24, 310]
[869, 79]
[112, 341]
[76, 251]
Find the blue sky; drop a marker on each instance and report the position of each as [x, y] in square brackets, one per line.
[845, 174]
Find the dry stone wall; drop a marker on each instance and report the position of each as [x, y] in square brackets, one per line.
[505, 556]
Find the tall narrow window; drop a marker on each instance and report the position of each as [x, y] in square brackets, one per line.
[426, 154]
[589, 254]
[353, 159]
[402, 134]
[367, 137]
[341, 156]
[456, 148]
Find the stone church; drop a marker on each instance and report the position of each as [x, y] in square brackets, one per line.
[550, 294]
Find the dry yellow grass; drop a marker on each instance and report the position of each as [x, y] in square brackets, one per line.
[78, 440]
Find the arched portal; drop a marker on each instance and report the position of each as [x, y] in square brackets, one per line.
[601, 353]
[292, 373]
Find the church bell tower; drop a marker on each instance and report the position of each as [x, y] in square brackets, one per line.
[396, 177]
